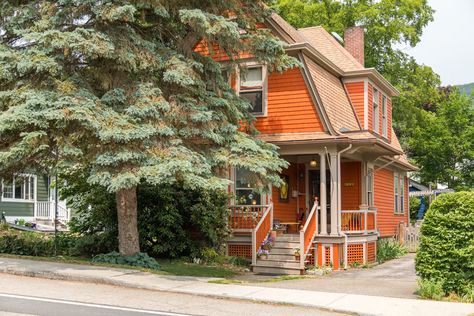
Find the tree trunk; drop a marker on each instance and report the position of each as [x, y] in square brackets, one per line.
[127, 221]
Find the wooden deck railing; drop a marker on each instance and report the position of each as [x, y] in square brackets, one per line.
[358, 221]
[308, 232]
[245, 217]
[261, 230]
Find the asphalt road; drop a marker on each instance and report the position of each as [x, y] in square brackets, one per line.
[21, 295]
[29, 305]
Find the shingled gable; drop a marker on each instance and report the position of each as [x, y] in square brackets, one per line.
[326, 68]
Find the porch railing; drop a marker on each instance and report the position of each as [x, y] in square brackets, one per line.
[45, 210]
[359, 221]
[246, 217]
[308, 232]
[261, 230]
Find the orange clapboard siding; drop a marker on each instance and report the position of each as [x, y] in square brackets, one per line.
[387, 220]
[217, 53]
[285, 211]
[370, 106]
[356, 95]
[350, 187]
[290, 107]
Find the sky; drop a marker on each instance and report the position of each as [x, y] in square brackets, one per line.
[447, 43]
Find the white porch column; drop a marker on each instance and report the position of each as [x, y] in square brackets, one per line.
[334, 192]
[322, 189]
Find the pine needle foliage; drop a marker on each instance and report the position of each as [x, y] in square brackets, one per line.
[115, 88]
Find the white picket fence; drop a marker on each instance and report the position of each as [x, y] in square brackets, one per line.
[410, 236]
[45, 211]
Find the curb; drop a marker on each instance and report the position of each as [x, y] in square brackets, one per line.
[107, 281]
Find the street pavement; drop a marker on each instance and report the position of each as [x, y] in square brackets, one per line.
[395, 278]
[341, 302]
[45, 297]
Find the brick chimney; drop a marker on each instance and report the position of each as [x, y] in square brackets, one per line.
[354, 42]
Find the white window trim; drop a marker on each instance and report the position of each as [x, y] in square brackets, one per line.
[35, 180]
[384, 117]
[254, 64]
[375, 109]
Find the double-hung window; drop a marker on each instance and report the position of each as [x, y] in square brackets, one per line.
[396, 183]
[375, 112]
[244, 192]
[399, 196]
[384, 116]
[252, 87]
[370, 187]
[20, 188]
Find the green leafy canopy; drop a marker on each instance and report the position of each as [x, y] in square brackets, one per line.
[116, 88]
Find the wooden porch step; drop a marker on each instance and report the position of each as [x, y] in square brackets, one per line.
[286, 244]
[291, 264]
[276, 270]
[288, 238]
[282, 251]
[281, 256]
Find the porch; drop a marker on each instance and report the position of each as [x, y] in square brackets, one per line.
[45, 211]
[322, 206]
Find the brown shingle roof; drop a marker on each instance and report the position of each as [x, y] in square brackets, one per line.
[327, 45]
[334, 98]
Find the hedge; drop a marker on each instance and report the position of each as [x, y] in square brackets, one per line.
[446, 252]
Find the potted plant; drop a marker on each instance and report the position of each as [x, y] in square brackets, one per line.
[263, 253]
[297, 254]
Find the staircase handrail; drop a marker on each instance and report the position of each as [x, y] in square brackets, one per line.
[308, 231]
[255, 243]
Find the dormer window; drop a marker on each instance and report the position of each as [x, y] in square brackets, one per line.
[253, 88]
[375, 111]
[384, 116]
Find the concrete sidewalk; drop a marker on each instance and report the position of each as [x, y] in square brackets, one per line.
[352, 303]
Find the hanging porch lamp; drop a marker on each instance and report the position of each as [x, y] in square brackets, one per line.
[313, 163]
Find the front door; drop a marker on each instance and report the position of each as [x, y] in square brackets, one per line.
[315, 191]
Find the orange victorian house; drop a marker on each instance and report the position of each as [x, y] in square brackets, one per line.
[332, 120]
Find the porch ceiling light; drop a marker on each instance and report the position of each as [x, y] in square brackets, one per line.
[313, 163]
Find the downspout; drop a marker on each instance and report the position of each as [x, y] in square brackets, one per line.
[339, 204]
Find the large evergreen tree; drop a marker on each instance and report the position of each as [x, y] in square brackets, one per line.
[115, 88]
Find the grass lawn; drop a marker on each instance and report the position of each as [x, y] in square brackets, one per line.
[168, 267]
[179, 267]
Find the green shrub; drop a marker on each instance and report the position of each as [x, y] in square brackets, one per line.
[38, 244]
[388, 249]
[446, 251]
[173, 222]
[430, 289]
[414, 208]
[137, 260]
